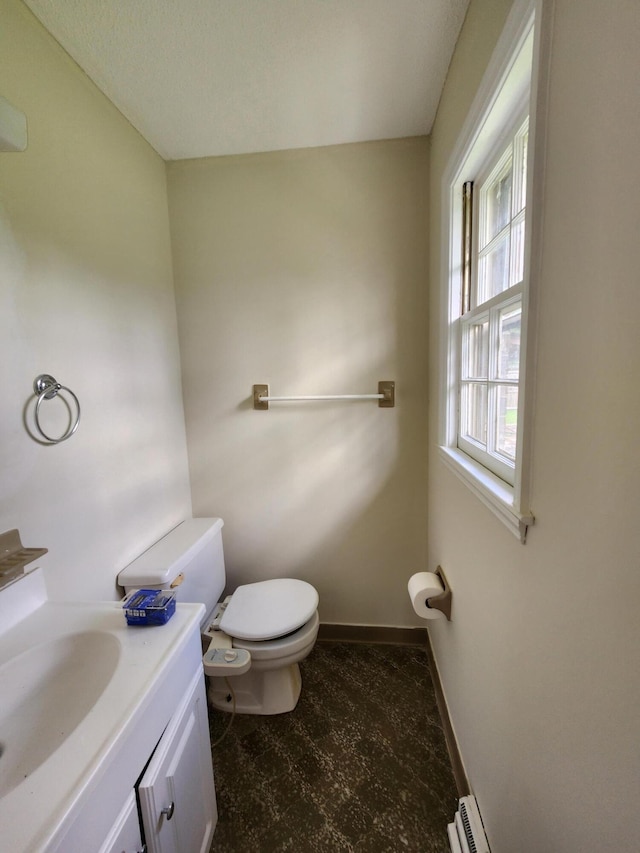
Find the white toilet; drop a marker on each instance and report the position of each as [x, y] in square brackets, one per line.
[275, 621]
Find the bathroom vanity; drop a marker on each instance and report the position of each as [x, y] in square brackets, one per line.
[104, 736]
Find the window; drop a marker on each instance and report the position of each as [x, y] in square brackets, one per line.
[489, 198]
[491, 310]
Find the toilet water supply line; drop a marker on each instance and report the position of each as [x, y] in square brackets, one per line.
[233, 713]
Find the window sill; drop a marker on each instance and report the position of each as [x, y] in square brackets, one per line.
[494, 493]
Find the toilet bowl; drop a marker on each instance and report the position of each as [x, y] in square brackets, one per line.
[275, 621]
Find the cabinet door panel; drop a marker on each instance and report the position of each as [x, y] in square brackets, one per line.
[177, 795]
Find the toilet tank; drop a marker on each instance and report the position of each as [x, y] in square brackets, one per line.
[189, 558]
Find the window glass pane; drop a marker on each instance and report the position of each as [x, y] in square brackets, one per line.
[476, 345]
[497, 199]
[509, 323]
[507, 415]
[517, 251]
[520, 168]
[474, 412]
[493, 272]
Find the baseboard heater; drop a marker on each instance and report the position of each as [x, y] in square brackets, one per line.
[466, 833]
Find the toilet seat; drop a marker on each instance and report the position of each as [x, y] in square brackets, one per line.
[282, 648]
[266, 610]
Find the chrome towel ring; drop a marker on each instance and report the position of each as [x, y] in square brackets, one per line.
[45, 387]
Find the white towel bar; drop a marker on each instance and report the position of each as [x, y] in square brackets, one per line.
[385, 396]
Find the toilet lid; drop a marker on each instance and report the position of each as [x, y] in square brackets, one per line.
[269, 609]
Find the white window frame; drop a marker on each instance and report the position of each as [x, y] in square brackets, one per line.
[515, 79]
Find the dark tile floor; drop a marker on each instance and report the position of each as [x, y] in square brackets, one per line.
[360, 764]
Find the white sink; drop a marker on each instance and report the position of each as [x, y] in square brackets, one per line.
[80, 694]
[41, 703]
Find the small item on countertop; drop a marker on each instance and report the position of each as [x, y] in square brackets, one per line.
[150, 606]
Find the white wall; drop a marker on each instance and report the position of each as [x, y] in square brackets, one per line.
[306, 270]
[540, 663]
[86, 294]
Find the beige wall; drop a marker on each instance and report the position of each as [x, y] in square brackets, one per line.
[306, 270]
[85, 294]
[540, 663]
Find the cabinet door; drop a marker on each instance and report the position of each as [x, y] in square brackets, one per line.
[177, 794]
[125, 835]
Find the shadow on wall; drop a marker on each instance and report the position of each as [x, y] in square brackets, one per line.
[343, 486]
[306, 270]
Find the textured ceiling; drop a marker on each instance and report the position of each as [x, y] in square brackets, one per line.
[209, 77]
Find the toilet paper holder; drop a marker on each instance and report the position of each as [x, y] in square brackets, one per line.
[442, 602]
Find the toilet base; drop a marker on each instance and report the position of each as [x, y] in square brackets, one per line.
[273, 691]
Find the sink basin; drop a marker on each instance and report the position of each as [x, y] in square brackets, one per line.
[47, 691]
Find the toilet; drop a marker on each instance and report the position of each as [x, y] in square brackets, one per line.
[274, 621]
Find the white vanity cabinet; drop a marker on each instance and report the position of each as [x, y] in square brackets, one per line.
[177, 796]
[125, 835]
[152, 787]
[176, 793]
